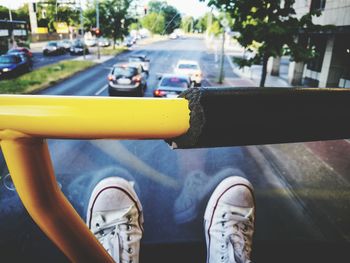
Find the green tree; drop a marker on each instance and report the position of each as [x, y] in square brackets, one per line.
[187, 24]
[171, 15]
[114, 18]
[273, 24]
[154, 22]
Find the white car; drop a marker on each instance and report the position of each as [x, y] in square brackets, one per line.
[190, 68]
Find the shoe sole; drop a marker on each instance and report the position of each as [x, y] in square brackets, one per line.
[116, 183]
[219, 191]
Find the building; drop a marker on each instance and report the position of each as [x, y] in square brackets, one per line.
[331, 68]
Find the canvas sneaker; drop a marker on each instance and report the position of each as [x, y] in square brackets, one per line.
[229, 221]
[115, 217]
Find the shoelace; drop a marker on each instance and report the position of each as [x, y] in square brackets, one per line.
[113, 229]
[238, 223]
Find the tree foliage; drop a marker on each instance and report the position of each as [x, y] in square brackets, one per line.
[154, 22]
[114, 18]
[273, 24]
[172, 16]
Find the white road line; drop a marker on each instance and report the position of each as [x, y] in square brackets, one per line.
[101, 90]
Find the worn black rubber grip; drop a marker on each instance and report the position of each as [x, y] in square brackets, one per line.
[251, 116]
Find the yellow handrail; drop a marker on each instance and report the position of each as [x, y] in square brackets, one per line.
[25, 122]
[93, 117]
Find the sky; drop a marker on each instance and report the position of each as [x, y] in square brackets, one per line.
[189, 7]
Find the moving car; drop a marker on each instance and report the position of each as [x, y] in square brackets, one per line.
[173, 36]
[53, 48]
[140, 59]
[190, 68]
[127, 79]
[171, 85]
[20, 50]
[13, 65]
[78, 48]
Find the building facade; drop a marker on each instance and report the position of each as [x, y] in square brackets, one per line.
[331, 67]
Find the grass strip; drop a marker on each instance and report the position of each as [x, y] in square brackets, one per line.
[109, 51]
[43, 77]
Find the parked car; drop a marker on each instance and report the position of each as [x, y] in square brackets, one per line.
[171, 85]
[140, 59]
[20, 50]
[190, 68]
[104, 42]
[78, 48]
[128, 42]
[127, 79]
[91, 42]
[53, 48]
[173, 36]
[66, 43]
[13, 65]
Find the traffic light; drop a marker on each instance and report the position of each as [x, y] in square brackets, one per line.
[98, 32]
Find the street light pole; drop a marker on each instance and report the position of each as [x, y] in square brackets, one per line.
[98, 27]
[221, 75]
[82, 28]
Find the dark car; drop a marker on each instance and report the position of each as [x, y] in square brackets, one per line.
[53, 48]
[20, 50]
[140, 59]
[13, 65]
[126, 79]
[78, 48]
[171, 85]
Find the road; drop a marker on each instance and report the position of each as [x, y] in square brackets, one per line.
[173, 185]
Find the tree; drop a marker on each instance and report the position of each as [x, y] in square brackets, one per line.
[273, 24]
[187, 24]
[171, 15]
[154, 22]
[114, 18]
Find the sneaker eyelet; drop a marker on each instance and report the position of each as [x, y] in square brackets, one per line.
[128, 238]
[224, 215]
[129, 250]
[128, 227]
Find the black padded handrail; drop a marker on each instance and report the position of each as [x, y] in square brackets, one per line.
[252, 116]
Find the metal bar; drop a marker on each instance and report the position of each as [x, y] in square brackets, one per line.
[31, 170]
[93, 117]
[251, 116]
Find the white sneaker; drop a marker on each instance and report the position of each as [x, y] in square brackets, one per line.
[115, 217]
[229, 221]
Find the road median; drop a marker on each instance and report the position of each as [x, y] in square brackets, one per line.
[43, 77]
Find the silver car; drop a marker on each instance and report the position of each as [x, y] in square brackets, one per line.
[171, 85]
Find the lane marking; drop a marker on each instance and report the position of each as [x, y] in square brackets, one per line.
[101, 90]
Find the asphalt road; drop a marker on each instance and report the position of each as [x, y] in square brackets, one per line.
[173, 185]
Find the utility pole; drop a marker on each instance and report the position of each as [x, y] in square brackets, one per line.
[221, 74]
[98, 27]
[82, 28]
[224, 22]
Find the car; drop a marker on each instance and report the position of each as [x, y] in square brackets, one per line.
[53, 48]
[66, 43]
[140, 59]
[91, 42]
[173, 36]
[20, 50]
[13, 65]
[104, 42]
[171, 85]
[190, 68]
[128, 42]
[127, 79]
[78, 48]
